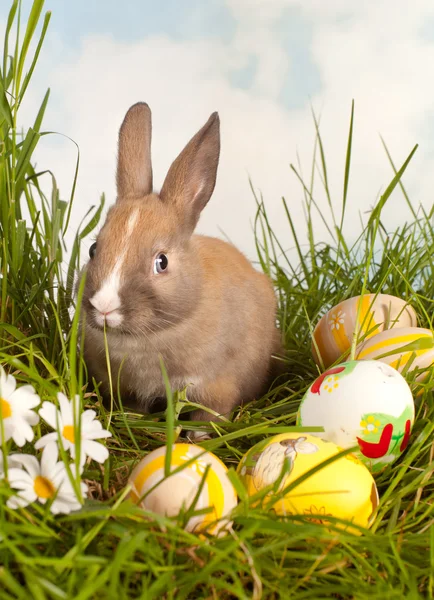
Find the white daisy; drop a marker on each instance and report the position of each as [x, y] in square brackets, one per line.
[11, 463]
[63, 422]
[43, 481]
[16, 406]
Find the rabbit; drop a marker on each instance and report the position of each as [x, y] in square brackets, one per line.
[161, 290]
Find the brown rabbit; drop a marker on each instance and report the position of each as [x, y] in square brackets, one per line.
[160, 289]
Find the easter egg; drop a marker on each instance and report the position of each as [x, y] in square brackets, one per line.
[344, 489]
[389, 347]
[368, 315]
[361, 403]
[168, 495]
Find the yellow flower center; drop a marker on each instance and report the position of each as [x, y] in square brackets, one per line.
[5, 408]
[43, 487]
[68, 433]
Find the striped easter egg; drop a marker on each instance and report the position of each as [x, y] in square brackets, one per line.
[368, 315]
[403, 349]
[169, 495]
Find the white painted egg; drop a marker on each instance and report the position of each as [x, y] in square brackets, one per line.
[389, 347]
[177, 491]
[368, 315]
[361, 403]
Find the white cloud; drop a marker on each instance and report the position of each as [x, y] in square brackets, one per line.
[373, 52]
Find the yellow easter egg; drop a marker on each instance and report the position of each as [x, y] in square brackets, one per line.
[344, 489]
[368, 315]
[168, 495]
[389, 347]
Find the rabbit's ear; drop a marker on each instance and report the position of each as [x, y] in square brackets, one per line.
[134, 172]
[191, 178]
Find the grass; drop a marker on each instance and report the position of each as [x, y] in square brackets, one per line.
[111, 549]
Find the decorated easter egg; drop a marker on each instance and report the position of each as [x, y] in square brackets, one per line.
[403, 349]
[368, 315]
[361, 403]
[344, 489]
[168, 495]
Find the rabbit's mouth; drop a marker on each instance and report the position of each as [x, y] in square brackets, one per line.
[111, 320]
[103, 313]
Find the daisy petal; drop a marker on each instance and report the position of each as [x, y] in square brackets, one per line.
[18, 476]
[58, 475]
[49, 458]
[46, 439]
[95, 450]
[49, 413]
[59, 507]
[96, 435]
[31, 417]
[18, 502]
[94, 424]
[7, 384]
[29, 462]
[88, 416]
[28, 398]
[65, 409]
[18, 437]
[22, 433]
[8, 429]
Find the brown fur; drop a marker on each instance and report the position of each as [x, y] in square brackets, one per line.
[134, 173]
[211, 315]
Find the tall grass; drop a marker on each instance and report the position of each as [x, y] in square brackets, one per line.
[36, 286]
[111, 549]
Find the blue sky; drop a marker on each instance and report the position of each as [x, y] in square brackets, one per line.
[191, 20]
[263, 64]
[136, 18]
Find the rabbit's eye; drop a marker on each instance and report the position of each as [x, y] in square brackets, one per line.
[92, 250]
[160, 263]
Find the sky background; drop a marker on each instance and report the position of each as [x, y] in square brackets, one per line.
[263, 65]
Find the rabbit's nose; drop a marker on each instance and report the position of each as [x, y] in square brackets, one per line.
[107, 304]
[106, 299]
